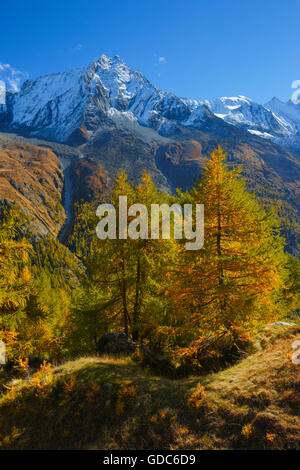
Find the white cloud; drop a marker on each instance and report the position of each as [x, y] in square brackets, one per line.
[11, 77]
[78, 47]
[162, 60]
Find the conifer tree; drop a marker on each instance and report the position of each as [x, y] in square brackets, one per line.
[15, 278]
[235, 280]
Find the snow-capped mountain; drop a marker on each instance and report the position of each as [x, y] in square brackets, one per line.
[289, 114]
[242, 112]
[275, 120]
[80, 101]
[51, 106]
[54, 106]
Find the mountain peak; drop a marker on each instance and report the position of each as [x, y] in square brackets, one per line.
[237, 98]
[274, 100]
[107, 61]
[104, 60]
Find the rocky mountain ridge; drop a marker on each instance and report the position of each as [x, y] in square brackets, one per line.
[71, 106]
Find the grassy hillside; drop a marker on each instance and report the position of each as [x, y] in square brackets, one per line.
[105, 403]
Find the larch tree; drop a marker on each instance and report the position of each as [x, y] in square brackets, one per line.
[15, 277]
[234, 281]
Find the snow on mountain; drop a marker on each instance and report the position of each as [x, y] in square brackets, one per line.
[55, 106]
[51, 105]
[275, 120]
[289, 113]
[243, 112]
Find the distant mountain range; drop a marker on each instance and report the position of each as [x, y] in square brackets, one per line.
[276, 120]
[104, 117]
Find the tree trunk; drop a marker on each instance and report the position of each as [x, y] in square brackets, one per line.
[124, 297]
[136, 311]
[219, 252]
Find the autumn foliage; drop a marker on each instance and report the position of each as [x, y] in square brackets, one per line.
[56, 301]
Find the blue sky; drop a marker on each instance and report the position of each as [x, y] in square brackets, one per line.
[194, 48]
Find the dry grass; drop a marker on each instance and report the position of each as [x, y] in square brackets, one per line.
[109, 403]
